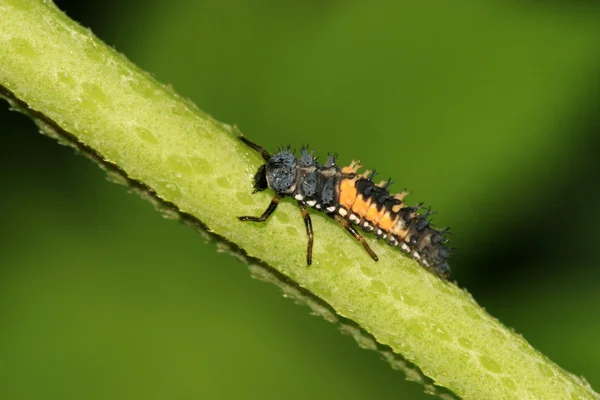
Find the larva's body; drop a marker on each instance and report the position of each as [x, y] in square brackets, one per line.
[351, 199]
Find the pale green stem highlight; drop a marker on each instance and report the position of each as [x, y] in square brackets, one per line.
[166, 146]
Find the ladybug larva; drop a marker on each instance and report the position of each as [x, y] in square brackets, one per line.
[351, 199]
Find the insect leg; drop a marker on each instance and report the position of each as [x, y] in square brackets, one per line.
[356, 235]
[265, 154]
[309, 232]
[266, 214]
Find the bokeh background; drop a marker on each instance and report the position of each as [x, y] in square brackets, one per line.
[486, 110]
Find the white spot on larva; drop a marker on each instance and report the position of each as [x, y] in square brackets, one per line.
[379, 231]
[416, 255]
[384, 236]
[331, 209]
[299, 197]
[394, 242]
[366, 225]
[311, 203]
[405, 247]
[318, 206]
[354, 218]
[425, 263]
[343, 212]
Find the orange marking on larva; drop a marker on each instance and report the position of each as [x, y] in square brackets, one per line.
[401, 196]
[375, 215]
[352, 168]
[397, 208]
[348, 193]
[360, 206]
[387, 223]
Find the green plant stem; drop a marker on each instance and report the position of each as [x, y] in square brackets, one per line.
[86, 94]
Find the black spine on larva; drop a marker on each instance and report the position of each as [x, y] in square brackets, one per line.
[307, 175]
[426, 241]
[364, 187]
[317, 183]
[328, 178]
[312, 181]
[421, 238]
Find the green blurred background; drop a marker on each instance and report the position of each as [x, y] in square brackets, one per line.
[485, 110]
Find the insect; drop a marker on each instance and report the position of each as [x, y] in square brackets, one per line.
[351, 199]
